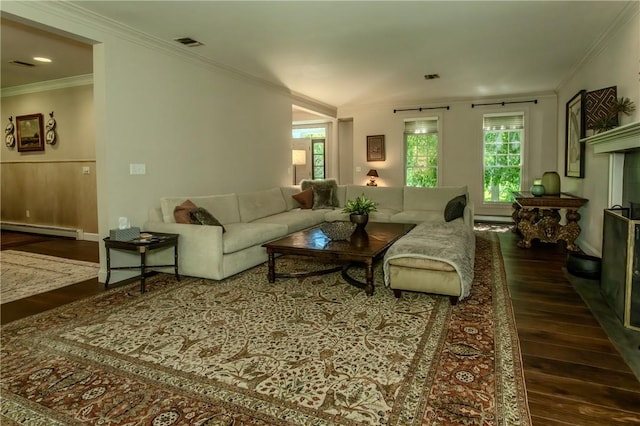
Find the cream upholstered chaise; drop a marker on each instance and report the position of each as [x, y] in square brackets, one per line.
[433, 258]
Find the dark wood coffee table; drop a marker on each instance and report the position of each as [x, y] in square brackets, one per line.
[365, 247]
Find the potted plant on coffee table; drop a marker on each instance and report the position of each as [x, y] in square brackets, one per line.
[359, 210]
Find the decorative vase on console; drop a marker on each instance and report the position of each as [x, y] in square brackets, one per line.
[551, 183]
[537, 189]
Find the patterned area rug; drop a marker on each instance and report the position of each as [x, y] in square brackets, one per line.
[24, 274]
[307, 351]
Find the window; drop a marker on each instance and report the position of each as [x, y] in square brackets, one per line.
[421, 152]
[317, 154]
[503, 138]
[317, 135]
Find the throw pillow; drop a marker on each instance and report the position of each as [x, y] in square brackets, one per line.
[323, 184]
[322, 198]
[201, 216]
[182, 212]
[304, 198]
[455, 208]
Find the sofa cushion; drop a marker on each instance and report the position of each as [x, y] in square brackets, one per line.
[182, 212]
[323, 184]
[418, 216]
[385, 197]
[287, 194]
[323, 198]
[201, 216]
[455, 208]
[224, 207]
[295, 220]
[430, 198]
[304, 198]
[240, 236]
[257, 204]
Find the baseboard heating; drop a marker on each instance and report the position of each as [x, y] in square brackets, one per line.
[59, 231]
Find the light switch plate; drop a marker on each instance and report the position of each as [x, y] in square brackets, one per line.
[137, 169]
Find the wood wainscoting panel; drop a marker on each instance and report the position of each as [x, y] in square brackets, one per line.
[55, 194]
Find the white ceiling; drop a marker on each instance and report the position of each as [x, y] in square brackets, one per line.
[364, 52]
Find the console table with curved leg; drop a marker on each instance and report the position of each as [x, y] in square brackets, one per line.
[539, 218]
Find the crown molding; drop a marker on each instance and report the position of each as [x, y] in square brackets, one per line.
[43, 86]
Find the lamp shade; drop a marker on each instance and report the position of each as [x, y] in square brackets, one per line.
[373, 172]
[298, 157]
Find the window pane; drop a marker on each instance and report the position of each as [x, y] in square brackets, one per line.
[308, 132]
[421, 159]
[502, 156]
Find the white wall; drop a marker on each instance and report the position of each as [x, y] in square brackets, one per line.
[198, 129]
[461, 142]
[615, 62]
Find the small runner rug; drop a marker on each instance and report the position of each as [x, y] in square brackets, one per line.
[24, 274]
[301, 351]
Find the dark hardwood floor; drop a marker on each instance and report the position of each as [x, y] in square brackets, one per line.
[573, 372]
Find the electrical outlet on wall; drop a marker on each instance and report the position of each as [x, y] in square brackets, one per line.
[28, 213]
[86, 170]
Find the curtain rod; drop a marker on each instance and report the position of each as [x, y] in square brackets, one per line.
[535, 101]
[420, 109]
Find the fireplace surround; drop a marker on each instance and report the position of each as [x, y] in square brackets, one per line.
[620, 275]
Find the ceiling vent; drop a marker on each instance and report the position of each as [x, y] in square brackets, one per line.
[188, 41]
[431, 76]
[22, 63]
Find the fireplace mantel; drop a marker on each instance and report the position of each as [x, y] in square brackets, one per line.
[620, 139]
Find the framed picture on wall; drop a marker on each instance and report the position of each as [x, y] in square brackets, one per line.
[375, 148]
[575, 128]
[30, 132]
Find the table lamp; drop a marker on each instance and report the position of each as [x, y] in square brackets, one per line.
[373, 174]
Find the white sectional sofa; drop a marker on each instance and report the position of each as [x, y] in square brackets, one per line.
[254, 218]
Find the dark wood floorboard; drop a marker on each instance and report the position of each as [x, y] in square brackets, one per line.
[574, 374]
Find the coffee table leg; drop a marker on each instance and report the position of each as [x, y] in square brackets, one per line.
[369, 274]
[106, 283]
[143, 267]
[272, 267]
[175, 260]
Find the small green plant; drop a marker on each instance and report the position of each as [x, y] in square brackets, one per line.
[361, 205]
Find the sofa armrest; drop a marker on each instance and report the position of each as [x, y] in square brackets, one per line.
[469, 213]
[199, 248]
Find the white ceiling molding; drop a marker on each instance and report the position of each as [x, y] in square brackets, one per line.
[43, 86]
[314, 106]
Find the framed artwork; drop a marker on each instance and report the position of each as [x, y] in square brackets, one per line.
[30, 132]
[600, 108]
[375, 148]
[575, 127]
